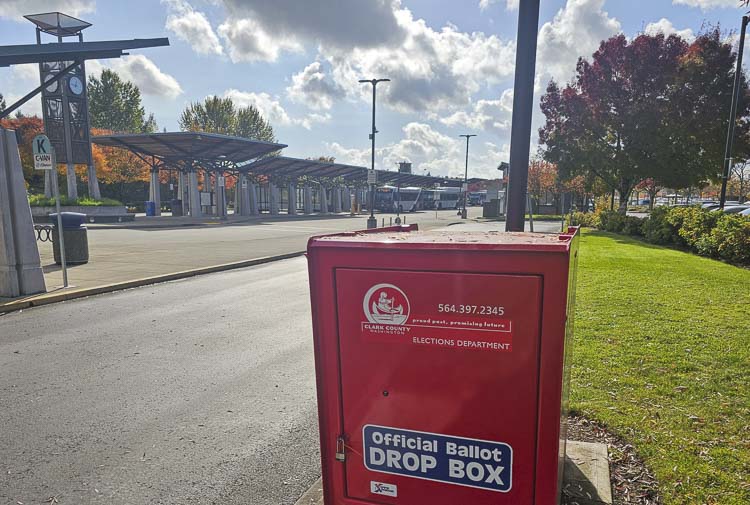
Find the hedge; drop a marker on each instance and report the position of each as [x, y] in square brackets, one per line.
[43, 201]
[708, 233]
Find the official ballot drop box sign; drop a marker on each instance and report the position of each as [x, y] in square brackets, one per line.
[442, 365]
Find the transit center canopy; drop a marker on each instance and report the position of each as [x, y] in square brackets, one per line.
[180, 148]
[295, 167]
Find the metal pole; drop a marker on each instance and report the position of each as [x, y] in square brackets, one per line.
[466, 174]
[562, 212]
[733, 115]
[531, 213]
[398, 205]
[60, 233]
[371, 221]
[523, 101]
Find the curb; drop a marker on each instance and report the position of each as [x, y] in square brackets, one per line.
[313, 496]
[47, 298]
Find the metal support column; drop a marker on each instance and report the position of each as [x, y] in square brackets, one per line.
[523, 103]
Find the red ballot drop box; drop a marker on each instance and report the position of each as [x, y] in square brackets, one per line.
[442, 362]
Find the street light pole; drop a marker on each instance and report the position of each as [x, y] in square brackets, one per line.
[523, 105]
[371, 221]
[733, 116]
[466, 173]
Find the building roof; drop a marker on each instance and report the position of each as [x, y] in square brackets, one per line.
[184, 147]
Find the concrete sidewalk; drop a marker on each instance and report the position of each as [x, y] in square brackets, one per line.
[586, 480]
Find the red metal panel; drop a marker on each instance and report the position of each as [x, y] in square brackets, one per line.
[428, 394]
[463, 362]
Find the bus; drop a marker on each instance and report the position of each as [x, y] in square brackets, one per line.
[443, 198]
[392, 198]
[477, 197]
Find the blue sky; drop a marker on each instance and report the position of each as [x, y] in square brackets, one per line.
[450, 61]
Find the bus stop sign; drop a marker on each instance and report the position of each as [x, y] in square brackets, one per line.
[43, 152]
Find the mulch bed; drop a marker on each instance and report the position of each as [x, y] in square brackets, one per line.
[632, 482]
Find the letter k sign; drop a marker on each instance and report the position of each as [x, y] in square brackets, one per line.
[40, 147]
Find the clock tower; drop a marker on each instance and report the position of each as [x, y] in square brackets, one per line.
[65, 104]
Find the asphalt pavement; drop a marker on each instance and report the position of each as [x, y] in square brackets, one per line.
[196, 391]
[128, 251]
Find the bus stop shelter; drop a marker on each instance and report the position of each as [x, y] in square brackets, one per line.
[189, 154]
[264, 181]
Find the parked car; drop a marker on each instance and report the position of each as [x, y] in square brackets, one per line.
[736, 209]
[706, 205]
[716, 206]
[745, 212]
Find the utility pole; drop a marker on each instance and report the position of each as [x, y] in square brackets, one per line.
[371, 180]
[466, 173]
[733, 116]
[523, 103]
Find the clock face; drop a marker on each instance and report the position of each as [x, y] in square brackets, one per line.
[51, 88]
[75, 85]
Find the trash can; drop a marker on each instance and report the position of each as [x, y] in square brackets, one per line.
[176, 208]
[150, 209]
[442, 363]
[75, 235]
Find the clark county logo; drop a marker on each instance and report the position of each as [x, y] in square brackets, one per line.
[386, 304]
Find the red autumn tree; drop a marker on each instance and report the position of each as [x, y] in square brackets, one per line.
[645, 108]
[542, 180]
[27, 127]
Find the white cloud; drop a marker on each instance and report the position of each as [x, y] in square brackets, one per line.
[340, 23]
[248, 41]
[16, 9]
[28, 72]
[487, 115]
[272, 110]
[509, 4]
[576, 30]
[192, 26]
[708, 4]
[431, 70]
[142, 72]
[666, 27]
[314, 88]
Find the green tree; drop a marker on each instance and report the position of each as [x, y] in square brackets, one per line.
[645, 109]
[220, 115]
[115, 104]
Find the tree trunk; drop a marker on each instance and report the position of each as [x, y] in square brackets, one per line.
[625, 192]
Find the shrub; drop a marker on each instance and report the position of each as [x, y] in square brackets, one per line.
[692, 223]
[708, 233]
[658, 229]
[730, 239]
[42, 201]
[632, 225]
[612, 221]
[584, 219]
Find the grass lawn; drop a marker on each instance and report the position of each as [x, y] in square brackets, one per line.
[662, 356]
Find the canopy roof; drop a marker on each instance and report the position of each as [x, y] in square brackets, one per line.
[69, 51]
[58, 24]
[179, 148]
[295, 167]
